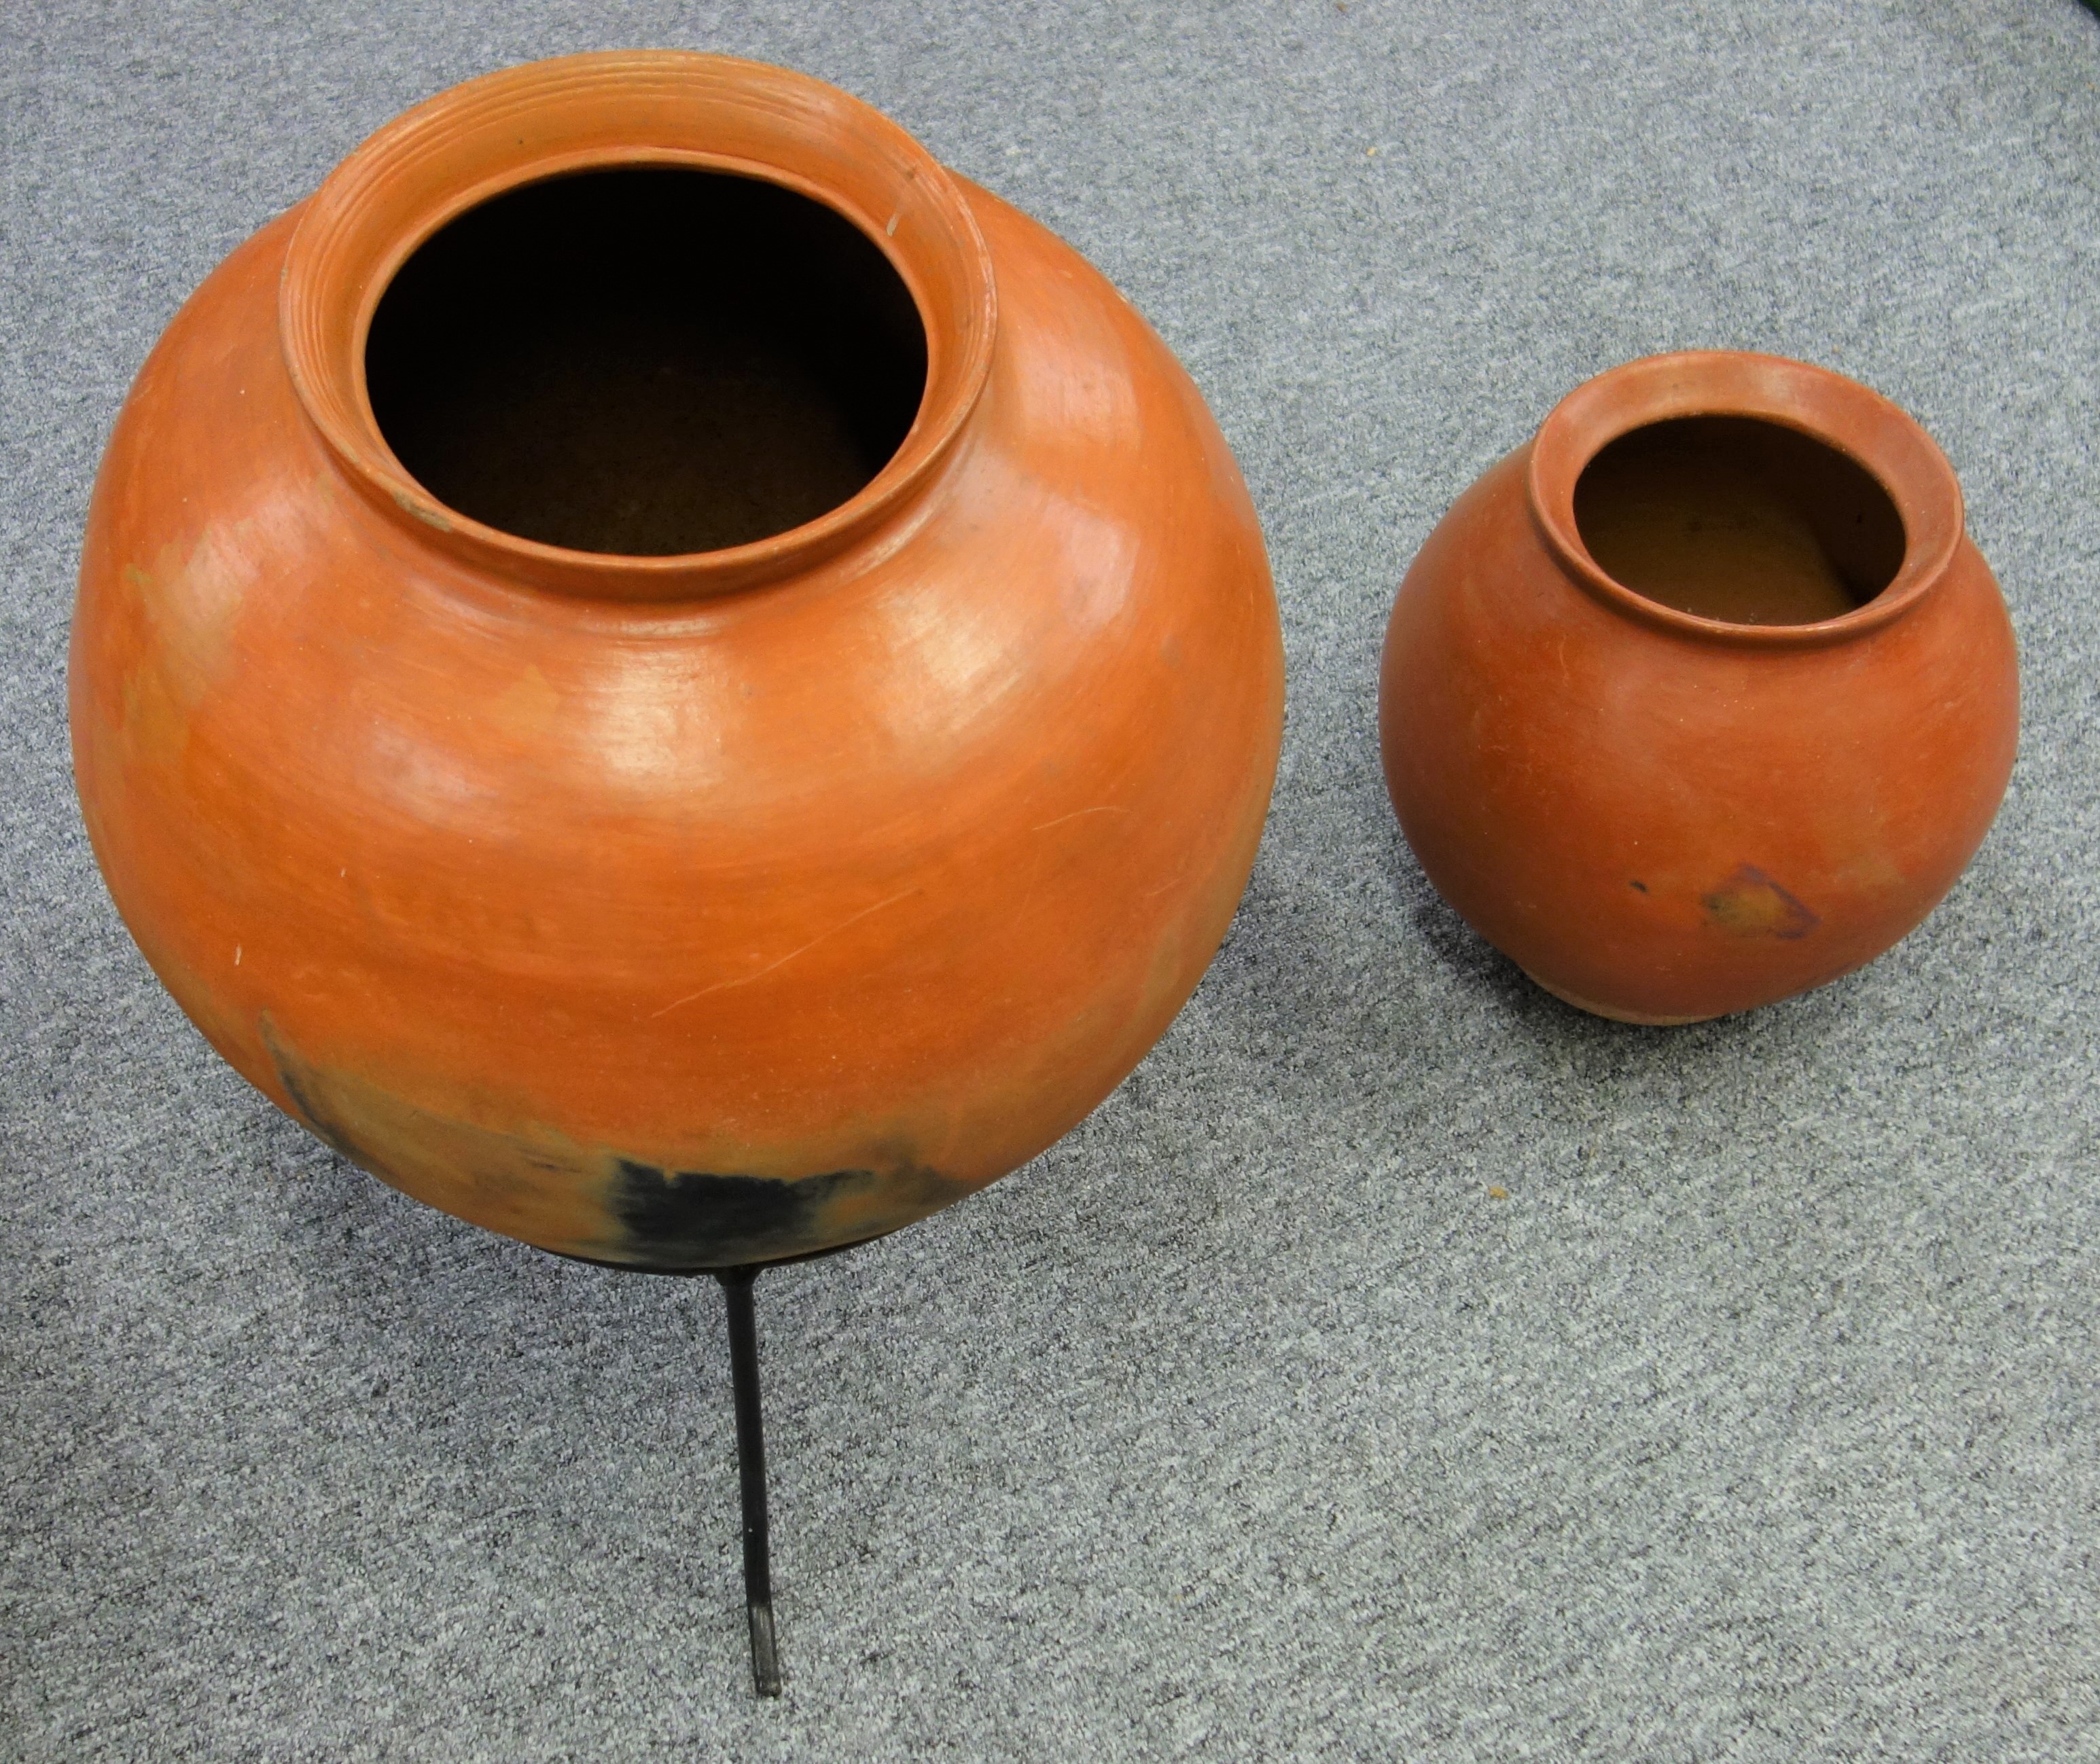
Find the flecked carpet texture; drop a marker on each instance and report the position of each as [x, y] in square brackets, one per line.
[1400, 1365]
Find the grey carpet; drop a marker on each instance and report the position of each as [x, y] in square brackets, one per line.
[1757, 1421]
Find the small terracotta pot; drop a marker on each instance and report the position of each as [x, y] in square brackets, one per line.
[1749, 755]
[677, 908]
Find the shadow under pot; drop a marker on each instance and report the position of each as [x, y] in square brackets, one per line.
[1703, 696]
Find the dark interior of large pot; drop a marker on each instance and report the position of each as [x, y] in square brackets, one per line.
[646, 361]
[1739, 519]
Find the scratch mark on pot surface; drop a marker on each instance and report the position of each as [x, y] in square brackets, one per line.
[1106, 808]
[724, 985]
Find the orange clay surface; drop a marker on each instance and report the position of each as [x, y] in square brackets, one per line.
[677, 911]
[1662, 816]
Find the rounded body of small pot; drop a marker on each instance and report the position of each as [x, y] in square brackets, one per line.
[1662, 817]
[676, 912]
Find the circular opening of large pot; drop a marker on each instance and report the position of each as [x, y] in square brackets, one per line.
[1738, 520]
[646, 361]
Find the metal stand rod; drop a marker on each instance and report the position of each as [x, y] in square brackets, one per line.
[736, 1284]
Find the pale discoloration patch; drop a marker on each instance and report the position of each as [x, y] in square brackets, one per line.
[1750, 904]
[422, 511]
[527, 706]
[188, 604]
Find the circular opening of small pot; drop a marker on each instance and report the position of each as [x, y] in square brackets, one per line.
[646, 361]
[1738, 520]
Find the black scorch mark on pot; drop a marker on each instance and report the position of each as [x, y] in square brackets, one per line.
[684, 1219]
[695, 1216]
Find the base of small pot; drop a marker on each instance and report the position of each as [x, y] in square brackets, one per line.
[1614, 1013]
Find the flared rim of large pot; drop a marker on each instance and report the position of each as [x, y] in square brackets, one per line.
[545, 119]
[1856, 421]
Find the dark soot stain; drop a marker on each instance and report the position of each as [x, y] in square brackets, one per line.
[697, 1215]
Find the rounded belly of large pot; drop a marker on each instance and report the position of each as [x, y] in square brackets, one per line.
[689, 938]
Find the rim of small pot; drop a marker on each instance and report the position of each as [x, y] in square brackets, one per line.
[525, 124]
[1853, 419]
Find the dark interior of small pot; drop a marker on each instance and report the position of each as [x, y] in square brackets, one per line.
[647, 360]
[1738, 520]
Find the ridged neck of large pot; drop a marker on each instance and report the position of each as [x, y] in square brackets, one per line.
[1855, 420]
[655, 108]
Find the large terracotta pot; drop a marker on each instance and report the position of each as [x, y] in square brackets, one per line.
[679, 884]
[1703, 697]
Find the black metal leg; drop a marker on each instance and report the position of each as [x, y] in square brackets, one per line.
[736, 1284]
